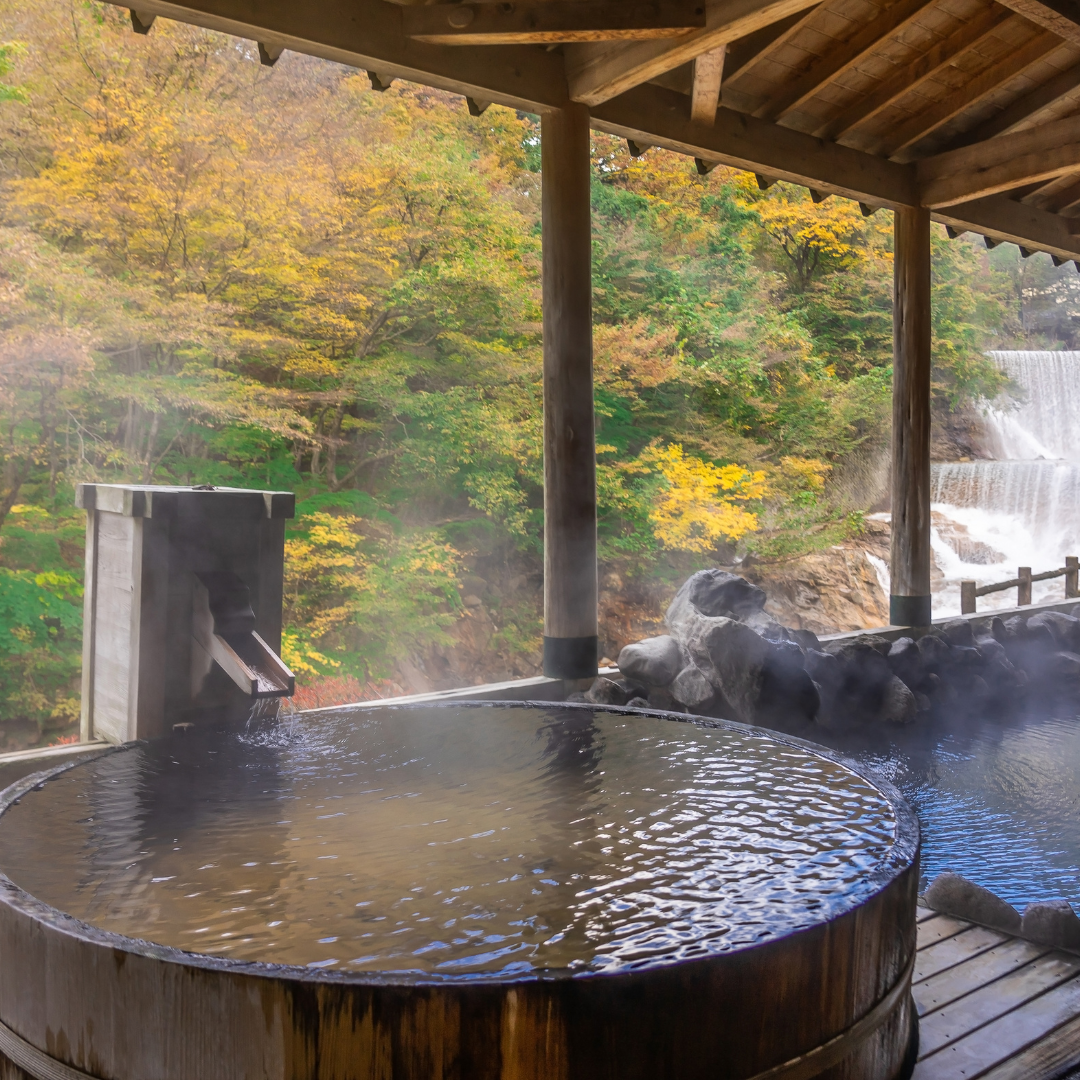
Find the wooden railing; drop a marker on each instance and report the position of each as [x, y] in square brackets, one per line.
[969, 590]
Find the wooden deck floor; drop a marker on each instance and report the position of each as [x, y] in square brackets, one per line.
[993, 1006]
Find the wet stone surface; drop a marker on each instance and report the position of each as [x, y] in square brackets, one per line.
[454, 841]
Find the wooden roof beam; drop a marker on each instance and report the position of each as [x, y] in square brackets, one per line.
[898, 141]
[1062, 17]
[1025, 109]
[597, 72]
[907, 78]
[1001, 220]
[651, 114]
[841, 58]
[1000, 164]
[552, 21]
[369, 35]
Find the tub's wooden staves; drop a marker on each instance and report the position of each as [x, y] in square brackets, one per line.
[993, 1007]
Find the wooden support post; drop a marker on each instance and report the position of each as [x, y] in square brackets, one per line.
[570, 627]
[1023, 590]
[909, 604]
[967, 597]
[1072, 577]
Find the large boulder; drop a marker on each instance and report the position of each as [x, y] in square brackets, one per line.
[654, 661]
[713, 593]
[732, 657]
[692, 689]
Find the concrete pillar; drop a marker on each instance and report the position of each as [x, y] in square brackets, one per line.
[909, 604]
[570, 629]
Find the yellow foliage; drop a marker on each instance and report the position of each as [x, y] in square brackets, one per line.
[697, 506]
[301, 658]
[808, 473]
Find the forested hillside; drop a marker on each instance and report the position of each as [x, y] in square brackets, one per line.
[217, 272]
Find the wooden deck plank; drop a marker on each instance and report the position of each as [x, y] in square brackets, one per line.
[1047, 1059]
[994, 1000]
[937, 929]
[993, 1045]
[924, 913]
[946, 954]
[947, 986]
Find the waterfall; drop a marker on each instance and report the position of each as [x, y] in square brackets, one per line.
[989, 517]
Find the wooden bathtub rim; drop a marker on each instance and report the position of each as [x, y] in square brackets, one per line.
[899, 861]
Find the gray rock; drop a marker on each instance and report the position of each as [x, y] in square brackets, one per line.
[765, 625]
[905, 661]
[716, 592]
[991, 649]
[1052, 922]
[806, 638]
[654, 661]
[954, 895]
[824, 669]
[606, 691]
[958, 632]
[660, 697]
[934, 651]
[898, 705]
[638, 703]
[732, 658]
[1065, 628]
[1063, 665]
[789, 698]
[691, 688]
[712, 593]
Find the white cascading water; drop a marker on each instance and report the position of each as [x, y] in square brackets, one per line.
[1022, 509]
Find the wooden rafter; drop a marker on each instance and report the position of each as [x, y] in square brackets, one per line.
[1025, 110]
[907, 78]
[551, 22]
[1062, 17]
[747, 51]
[1043, 193]
[705, 95]
[1000, 164]
[598, 72]
[924, 124]
[841, 58]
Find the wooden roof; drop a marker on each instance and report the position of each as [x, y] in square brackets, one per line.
[970, 107]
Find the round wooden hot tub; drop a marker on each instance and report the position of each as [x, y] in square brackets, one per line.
[473, 891]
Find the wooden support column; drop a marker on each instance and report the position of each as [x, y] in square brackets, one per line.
[570, 628]
[909, 604]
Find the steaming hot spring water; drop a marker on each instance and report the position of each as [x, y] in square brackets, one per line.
[997, 797]
[455, 841]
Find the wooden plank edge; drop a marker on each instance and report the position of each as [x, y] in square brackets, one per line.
[1046, 1059]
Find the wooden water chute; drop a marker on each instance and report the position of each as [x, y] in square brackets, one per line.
[182, 605]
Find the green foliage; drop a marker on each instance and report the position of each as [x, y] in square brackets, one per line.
[214, 272]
